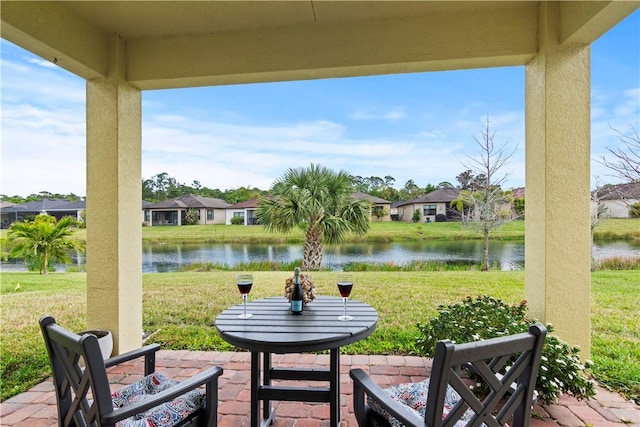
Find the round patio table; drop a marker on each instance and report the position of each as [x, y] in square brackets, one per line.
[273, 329]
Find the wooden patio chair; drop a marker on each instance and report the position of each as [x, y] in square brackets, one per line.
[507, 366]
[84, 397]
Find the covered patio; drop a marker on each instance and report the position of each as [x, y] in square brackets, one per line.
[37, 407]
[124, 48]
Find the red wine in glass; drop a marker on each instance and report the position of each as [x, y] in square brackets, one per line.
[245, 282]
[345, 289]
[345, 284]
[244, 287]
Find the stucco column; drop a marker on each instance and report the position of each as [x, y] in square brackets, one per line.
[557, 231]
[114, 190]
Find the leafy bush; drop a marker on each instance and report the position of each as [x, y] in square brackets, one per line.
[191, 217]
[416, 216]
[634, 210]
[378, 211]
[237, 220]
[485, 317]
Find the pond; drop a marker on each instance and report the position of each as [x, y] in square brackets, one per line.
[159, 258]
[509, 254]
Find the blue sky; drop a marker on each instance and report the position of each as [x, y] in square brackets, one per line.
[418, 126]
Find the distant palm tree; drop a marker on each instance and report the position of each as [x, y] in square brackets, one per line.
[43, 240]
[320, 201]
[462, 203]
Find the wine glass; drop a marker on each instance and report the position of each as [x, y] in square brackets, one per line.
[345, 283]
[245, 281]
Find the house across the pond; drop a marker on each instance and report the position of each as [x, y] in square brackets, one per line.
[380, 208]
[618, 199]
[430, 207]
[55, 207]
[175, 211]
[244, 212]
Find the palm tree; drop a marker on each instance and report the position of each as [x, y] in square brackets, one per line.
[462, 203]
[43, 240]
[320, 201]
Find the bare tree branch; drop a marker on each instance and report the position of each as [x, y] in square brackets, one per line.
[625, 160]
[487, 199]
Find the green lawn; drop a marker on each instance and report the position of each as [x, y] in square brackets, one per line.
[380, 231]
[184, 320]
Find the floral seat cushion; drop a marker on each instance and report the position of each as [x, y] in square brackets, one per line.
[167, 414]
[414, 396]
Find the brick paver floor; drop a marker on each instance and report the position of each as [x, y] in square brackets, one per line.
[36, 407]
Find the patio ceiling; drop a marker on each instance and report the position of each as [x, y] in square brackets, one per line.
[196, 43]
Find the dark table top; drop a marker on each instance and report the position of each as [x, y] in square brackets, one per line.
[273, 329]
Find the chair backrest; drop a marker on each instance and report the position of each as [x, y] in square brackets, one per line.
[507, 366]
[78, 369]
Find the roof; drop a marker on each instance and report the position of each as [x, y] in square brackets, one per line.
[253, 203]
[441, 195]
[46, 205]
[5, 204]
[518, 192]
[629, 190]
[189, 201]
[373, 199]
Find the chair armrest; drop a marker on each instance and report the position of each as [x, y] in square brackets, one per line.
[148, 351]
[210, 376]
[364, 385]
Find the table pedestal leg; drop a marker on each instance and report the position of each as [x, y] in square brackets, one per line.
[334, 386]
[267, 413]
[264, 391]
[255, 386]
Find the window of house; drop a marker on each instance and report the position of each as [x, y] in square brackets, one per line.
[429, 210]
[209, 214]
[240, 214]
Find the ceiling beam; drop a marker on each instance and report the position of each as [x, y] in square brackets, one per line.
[50, 30]
[383, 46]
[583, 22]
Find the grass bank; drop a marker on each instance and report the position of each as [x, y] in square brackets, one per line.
[181, 309]
[610, 229]
[627, 229]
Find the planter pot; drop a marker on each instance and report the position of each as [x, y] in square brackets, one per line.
[105, 340]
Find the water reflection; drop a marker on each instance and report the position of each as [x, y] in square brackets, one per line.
[508, 254]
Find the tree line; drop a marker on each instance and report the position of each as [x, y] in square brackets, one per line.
[162, 186]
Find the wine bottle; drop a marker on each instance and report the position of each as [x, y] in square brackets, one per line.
[296, 293]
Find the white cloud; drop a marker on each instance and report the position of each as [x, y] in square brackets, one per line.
[227, 146]
[42, 63]
[395, 114]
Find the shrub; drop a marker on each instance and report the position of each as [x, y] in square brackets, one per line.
[634, 210]
[237, 220]
[378, 211]
[416, 216]
[485, 317]
[191, 217]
